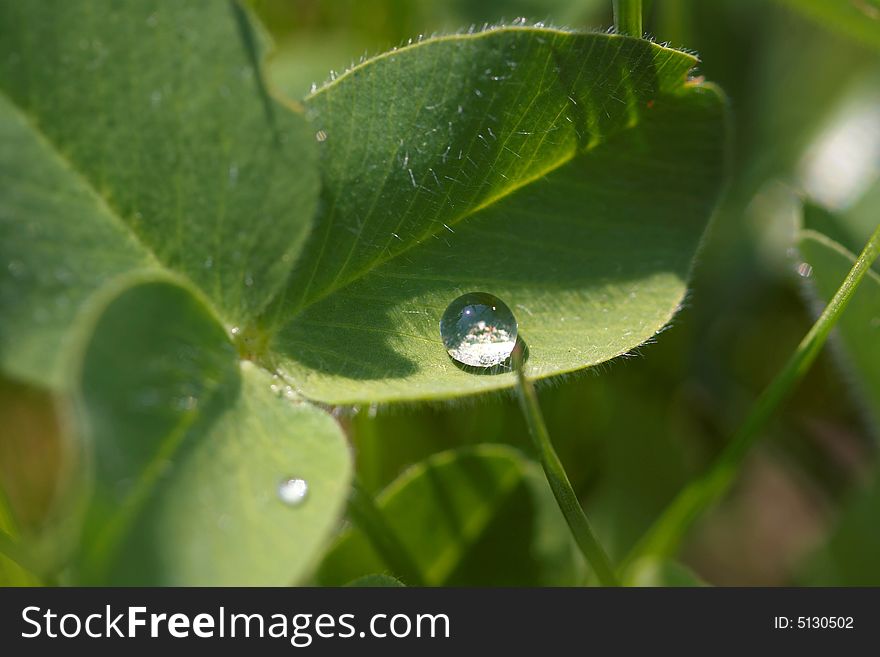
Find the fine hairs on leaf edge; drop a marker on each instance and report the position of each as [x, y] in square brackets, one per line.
[486, 29]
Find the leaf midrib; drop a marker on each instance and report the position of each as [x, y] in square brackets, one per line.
[101, 201]
[492, 199]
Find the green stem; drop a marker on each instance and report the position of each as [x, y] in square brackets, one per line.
[628, 17]
[370, 519]
[667, 532]
[559, 483]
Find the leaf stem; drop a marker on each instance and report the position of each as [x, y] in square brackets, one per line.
[628, 17]
[559, 483]
[664, 537]
[369, 517]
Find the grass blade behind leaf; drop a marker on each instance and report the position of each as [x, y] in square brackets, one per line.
[667, 532]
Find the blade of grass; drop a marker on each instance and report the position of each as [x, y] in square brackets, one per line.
[628, 17]
[369, 517]
[664, 537]
[559, 483]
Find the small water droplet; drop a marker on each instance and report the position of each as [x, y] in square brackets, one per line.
[804, 270]
[187, 403]
[235, 330]
[478, 329]
[321, 135]
[248, 280]
[293, 491]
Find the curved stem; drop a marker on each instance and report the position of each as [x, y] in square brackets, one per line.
[371, 521]
[559, 483]
[628, 17]
[667, 532]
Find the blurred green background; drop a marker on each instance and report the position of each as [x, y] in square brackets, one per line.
[633, 432]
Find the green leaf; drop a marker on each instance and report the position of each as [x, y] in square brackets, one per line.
[478, 516]
[859, 327]
[190, 446]
[649, 571]
[56, 248]
[572, 175]
[139, 136]
[375, 581]
[859, 19]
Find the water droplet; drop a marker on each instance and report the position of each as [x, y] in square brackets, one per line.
[478, 329]
[248, 279]
[804, 270]
[187, 403]
[321, 135]
[293, 491]
[235, 330]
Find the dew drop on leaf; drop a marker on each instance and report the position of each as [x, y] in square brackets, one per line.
[293, 491]
[478, 329]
